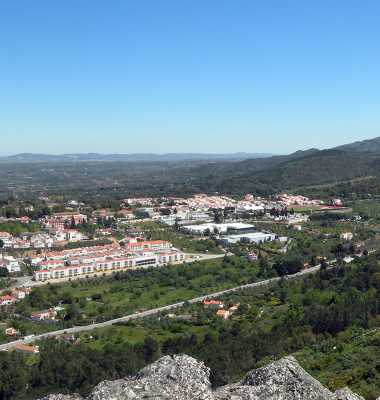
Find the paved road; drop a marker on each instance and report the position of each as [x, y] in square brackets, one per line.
[24, 281]
[148, 312]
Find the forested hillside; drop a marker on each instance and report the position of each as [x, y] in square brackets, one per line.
[259, 176]
[317, 168]
[364, 146]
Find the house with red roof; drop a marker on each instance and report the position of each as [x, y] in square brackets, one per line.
[251, 256]
[11, 332]
[25, 349]
[6, 300]
[18, 295]
[213, 304]
[223, 313]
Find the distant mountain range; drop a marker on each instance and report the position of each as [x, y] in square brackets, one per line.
[181, 174]
[32, 157]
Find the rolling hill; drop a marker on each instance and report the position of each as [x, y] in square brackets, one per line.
[285, 173]
[182, 176]
[364, 146]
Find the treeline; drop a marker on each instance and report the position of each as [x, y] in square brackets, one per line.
[16, 227]
[328, 216]
[71, 367]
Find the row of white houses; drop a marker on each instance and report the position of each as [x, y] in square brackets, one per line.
[108, 265]
[97, 266]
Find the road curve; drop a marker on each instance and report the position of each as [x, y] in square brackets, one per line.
[91, 327]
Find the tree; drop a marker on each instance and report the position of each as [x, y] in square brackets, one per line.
[324, 265]
[72, 311]
[165, 211]
[263, 265]
[283, 295]
[218, 217]
[68, 297]
[149, 349]
[117, 312]
[313, 261]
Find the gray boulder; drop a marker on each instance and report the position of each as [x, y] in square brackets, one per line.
[282, 380]
[74, 396]
[169, 378]
[345, 394]
[184, 378]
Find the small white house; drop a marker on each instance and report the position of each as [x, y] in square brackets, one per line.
[223, 313]
[10, 263]
[251, 256]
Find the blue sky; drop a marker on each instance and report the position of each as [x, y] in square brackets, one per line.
[187, 76]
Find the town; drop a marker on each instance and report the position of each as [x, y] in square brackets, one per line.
[74, 266]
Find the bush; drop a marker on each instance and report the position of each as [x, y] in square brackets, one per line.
[264, 361]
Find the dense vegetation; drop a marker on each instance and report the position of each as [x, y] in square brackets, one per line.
[321, 316]
[70, 367]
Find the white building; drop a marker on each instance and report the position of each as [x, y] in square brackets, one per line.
[251, 256]
[41, 275]
[10, 263]
[171, 257]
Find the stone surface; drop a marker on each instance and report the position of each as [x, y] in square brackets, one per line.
[345, 394]
[169, 378]
[184, 378]
[281, 380]
[63, 397]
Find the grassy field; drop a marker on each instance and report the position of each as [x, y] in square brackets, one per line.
[107, 297]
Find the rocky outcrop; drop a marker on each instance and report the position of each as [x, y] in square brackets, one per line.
[184, 378]
[63, 397]
[345, 394]
[281, 380]
[175, 378]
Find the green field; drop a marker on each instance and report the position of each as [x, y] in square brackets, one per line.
[99, 299]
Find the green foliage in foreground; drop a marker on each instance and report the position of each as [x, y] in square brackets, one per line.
[70, 367]
[352, 358]
[325, 319]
